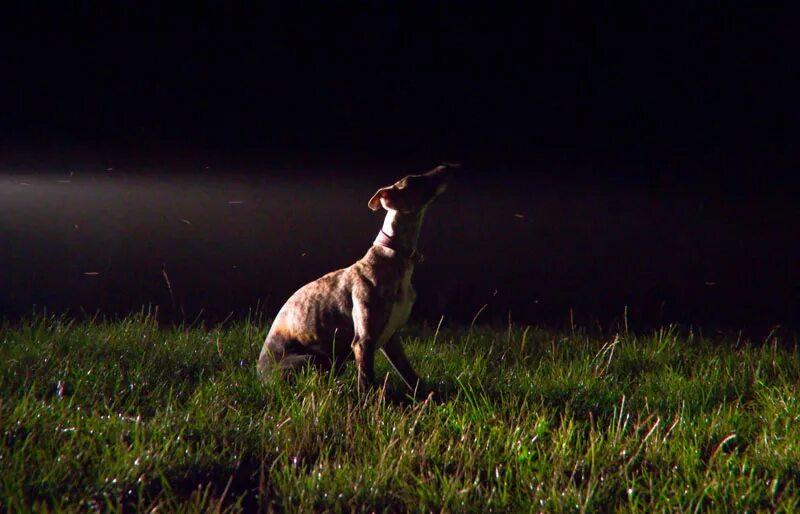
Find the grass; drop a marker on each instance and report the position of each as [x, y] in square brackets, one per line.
[122, 415]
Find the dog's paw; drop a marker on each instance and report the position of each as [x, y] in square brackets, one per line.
[429, 395]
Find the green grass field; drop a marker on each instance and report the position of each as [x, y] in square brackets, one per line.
[125, 416]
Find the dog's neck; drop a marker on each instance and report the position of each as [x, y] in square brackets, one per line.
[400, 232]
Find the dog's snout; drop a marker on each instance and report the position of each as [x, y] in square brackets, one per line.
[443, 172]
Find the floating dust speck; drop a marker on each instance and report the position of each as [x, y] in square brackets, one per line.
[303, 254]
[91, 273]
[520, 216]
[24, 183]
[109, 169]
[185, 221]
[710, 283]
[76, 226]
[64, 181]
[235, 202]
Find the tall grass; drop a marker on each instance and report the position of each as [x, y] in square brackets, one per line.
[123, 415]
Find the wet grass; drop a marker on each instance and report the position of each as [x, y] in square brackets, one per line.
[126, 416]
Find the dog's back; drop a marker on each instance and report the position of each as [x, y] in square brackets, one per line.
[315, 325]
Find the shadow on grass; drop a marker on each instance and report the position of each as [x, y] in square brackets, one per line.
[243, 487]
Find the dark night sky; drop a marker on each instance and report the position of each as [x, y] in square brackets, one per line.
[614, 155]
[382, 82]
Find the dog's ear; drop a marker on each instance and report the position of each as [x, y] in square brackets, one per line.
[384, 192]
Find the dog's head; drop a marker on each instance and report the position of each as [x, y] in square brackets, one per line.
[414, 192]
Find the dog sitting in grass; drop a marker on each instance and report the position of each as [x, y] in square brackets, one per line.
[353, 312]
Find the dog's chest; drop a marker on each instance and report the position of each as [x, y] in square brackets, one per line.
[399, 310]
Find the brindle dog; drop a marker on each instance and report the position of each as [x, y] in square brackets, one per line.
[354, 311]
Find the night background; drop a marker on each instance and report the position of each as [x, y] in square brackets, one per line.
[623, 156]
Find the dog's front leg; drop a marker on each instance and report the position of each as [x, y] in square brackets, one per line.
[364, 352]
[393, 350]
[368, 321]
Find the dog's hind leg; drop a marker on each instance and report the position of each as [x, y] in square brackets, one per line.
[290, 363]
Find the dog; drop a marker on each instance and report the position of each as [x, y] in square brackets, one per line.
[354, 311]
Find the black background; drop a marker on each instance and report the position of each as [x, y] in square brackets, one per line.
[697, 101]
[478, 82]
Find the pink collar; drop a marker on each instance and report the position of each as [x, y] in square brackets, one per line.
[387, 241]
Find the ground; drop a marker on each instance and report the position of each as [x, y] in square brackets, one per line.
[125, 415]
